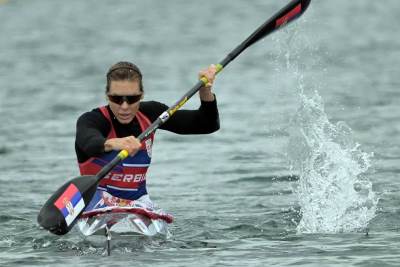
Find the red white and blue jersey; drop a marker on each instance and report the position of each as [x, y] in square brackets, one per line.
[128, 179]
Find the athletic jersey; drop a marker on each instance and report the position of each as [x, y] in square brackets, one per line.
[128, 179]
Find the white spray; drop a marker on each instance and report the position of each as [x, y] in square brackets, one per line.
[333, 193]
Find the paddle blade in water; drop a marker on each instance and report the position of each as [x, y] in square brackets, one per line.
[61, 211]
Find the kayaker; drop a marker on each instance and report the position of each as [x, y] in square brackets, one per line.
[104, 131]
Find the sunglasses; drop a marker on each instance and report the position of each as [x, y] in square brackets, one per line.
[119, 99]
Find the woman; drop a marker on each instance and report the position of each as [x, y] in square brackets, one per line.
[104, 131]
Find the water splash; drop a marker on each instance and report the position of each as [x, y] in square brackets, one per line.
[333, 193]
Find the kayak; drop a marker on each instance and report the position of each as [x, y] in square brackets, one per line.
[108, 215]
[123, 220]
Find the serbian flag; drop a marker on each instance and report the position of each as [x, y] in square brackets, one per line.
[70, 203]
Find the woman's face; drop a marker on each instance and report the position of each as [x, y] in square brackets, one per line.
[124, 112]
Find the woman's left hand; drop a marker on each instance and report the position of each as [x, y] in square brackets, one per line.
[205, 92]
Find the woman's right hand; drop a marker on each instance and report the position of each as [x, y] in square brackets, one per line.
[129, 143]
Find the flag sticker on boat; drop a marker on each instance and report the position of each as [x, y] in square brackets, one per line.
[70, 203]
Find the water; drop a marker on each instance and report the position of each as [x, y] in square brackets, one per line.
[314, 106]
[333, 194]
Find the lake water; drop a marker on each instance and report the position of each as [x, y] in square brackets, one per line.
[304, 170]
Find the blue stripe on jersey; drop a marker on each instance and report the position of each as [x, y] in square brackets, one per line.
[130, 195]
[141, 157]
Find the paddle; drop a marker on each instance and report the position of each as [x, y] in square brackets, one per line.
[62, 209]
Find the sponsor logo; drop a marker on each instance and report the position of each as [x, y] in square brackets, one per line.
[126, 178]
[115, 201]
[164, 116]
[178, 106]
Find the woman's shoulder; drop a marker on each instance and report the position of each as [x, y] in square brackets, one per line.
[95, 115]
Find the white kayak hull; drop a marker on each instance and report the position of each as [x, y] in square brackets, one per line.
[124, 220]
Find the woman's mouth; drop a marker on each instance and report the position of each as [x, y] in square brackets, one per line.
[125, 116]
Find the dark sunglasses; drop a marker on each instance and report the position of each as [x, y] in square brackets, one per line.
[119, 99]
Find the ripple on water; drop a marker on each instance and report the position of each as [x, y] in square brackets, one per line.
[4, 150]
[61, 108]
[7, 218]
[265, 179]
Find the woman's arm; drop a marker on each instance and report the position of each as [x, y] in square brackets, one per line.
[91, 131]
